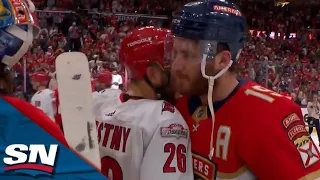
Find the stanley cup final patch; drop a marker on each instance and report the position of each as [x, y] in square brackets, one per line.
[174, 130]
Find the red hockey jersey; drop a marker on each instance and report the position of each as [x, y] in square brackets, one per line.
[258, 134]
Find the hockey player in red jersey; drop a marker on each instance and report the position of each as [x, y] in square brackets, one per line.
[15, 39]
[239, 130]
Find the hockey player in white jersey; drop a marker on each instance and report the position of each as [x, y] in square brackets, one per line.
[104, 83]
[140, 136]
[44, 97]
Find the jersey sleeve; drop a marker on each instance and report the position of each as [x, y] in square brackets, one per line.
[283, 149]
[168, 155]
[32, 101]
[50, 110]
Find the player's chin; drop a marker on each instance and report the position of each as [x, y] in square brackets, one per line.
[180, 84]
[183, 87]
[193, 88]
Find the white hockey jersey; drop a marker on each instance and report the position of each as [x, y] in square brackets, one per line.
[142, 140]
[110, 93]
[44, 100]
[95, 94]
[106, 94]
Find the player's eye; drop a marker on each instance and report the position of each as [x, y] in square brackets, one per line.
[192, 57]
[185, 55]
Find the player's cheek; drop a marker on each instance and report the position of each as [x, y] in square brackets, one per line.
[174, 82]
[186, 84]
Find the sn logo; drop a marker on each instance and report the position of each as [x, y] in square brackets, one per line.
[19, 158]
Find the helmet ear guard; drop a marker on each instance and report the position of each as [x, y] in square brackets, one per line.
[168, 45]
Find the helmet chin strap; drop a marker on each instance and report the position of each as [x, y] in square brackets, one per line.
[210, 90]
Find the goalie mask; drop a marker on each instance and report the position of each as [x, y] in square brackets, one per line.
[19, 27]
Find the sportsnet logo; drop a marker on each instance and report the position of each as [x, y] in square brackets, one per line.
[24, 159]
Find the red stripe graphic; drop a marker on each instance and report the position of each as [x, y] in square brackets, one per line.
[39, 167]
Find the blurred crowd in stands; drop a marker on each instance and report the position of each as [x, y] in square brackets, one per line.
[283, 51]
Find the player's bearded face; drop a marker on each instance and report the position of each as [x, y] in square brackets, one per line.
[186, 77]
[161, 84]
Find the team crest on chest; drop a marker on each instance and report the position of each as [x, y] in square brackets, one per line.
[201, 113]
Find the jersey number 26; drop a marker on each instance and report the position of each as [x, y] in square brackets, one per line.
[112, 169]
[178, 152]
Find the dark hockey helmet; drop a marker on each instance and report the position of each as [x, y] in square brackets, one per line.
[211, 22]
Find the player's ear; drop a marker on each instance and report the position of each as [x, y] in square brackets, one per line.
[221, 60]
[224, 60]
[154, 74]
[151, 74]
